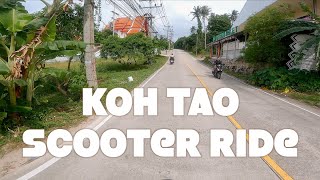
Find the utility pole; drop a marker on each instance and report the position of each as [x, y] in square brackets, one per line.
[170, 38]
[88, 37]
[150, 17]
[168, 31]
[114, 18]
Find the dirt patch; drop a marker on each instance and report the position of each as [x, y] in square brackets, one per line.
[13, 160]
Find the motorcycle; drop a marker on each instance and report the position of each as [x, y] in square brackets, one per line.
[217, 71]
[171, 60]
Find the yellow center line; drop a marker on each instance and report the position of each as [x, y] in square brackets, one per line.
[267, 159]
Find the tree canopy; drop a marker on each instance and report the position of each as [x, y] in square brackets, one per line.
[216, 25]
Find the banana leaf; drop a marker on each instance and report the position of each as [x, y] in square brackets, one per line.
[4, 68]
[3, 115]
[14, 20]
[19, 109]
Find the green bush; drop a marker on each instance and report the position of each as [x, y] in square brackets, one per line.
[77, 82]
[282, 78]
[4, 99]
[262, 47]
[133, 49]
[68, 83]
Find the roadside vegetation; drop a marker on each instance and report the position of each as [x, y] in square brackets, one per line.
[264, 59]
[267, 52]
[38, 94]
[208, 25]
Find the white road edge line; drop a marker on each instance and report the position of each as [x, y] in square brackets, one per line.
[299, 107]
[55, 159]
[283, 100]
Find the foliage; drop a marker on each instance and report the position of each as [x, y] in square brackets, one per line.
[160, 43]
[196, 13]
[218, 24]
[270, 52]
[131, 49]
[112, 48]
[187, 43]
[66, 82]
[299, 26]
[261, 46]
[100, 36]
[70, 23]
[204, 13]
[193, 30]
[26, 41]
[234, 15]
[281, 78]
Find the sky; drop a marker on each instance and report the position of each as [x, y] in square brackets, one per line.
[178, 12]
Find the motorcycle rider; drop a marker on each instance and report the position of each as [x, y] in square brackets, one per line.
[171, 58]
[216, 62]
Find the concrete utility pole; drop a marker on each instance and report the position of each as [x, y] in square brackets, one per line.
[169, 39]
[150, 17]
[88, 37]
[114, 18]
[150, 27]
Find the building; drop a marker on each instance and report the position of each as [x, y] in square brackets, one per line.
[125, 26]
[228, 45]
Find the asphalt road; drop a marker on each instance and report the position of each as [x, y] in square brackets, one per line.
[257, 110]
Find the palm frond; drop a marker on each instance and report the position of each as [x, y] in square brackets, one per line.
[293, 30]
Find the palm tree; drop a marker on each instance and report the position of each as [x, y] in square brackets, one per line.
[197, 14]
[204, 13]
[233, 16]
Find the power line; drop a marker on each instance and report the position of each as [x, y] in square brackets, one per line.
[133, 8]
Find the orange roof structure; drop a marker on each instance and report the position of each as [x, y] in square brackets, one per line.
[128, 26]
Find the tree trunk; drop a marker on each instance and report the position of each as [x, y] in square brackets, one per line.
[88, 37]
[318, 58]
[205, 33]
[12, 85]
[69, 62]
[12, 93]
[30, 84]
[197, 44]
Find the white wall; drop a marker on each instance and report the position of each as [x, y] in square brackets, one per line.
[121, 34]
[232, 50]
[308, 62]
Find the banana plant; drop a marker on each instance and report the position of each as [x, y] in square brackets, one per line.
[23, 46]
[13, 19]
[46, 51]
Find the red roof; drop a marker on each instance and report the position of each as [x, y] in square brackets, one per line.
[129, 26]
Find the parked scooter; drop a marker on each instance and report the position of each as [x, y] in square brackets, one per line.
[171, 59]
[218, 68]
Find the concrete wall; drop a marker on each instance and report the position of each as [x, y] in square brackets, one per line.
[308, 62]
[121, 34]
[232, 50]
